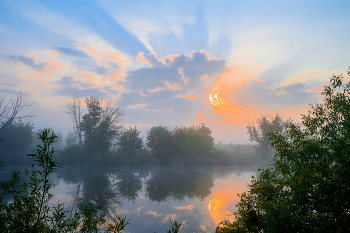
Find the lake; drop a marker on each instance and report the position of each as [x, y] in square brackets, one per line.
[197, 197]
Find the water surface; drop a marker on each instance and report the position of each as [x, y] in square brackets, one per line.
[197, 197]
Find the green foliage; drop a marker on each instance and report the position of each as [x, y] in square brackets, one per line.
[17, 139]
[160, 141]
[193, 141]
[259, 134]
[119, 225]
[58, 144]
[130, 143]
[306, 188]
[24, 206]
[185, 142]
[175, 227]
[100, 127]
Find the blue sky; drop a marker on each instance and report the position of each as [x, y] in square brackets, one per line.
[160, 60]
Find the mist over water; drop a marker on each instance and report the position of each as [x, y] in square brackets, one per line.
[199, 197]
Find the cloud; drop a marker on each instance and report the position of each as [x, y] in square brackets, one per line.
[140, 58]
[71, 52]
[137, 106]
[160, 74]
[28, 60]
[171, 216]
[189, 207]
[153, 213]
[155, 89]
[199, 119]
[186, 96]
[171, 86]
[112, 61]
[70, 86]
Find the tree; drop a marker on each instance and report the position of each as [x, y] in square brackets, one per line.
[17, 139]
[10, 111]
[193, 141]
[130, 143]
[259, 134]
[161, 142]
[306, 188]
[100, 126]
[75, 113]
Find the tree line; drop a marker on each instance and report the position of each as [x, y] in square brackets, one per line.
[98, 138]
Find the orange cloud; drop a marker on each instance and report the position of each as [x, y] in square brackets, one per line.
[87, 77]
[170, 216]
[52, 66]
[153, 213]
[235, 77]
[136, 106]
[236, 114]
[184, 96]
[189, 207]
[199, 119]
[140, 58]
[173, 86]
[171, 57]
[204, 77]
[181, 71]
[229, 193]
[141, 93]
[201, 51]
[281, 92]
[203, 228]
[155, 90]
[104, 59]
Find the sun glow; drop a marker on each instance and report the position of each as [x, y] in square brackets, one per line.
[215, 98]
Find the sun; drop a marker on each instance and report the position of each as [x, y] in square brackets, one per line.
[215, 98]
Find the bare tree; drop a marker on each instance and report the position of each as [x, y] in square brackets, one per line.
[10, 111]
[75, 112]
[113, 115]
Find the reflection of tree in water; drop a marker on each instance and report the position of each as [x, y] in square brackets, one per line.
[128, 184]
[91, 186]
[178, 185]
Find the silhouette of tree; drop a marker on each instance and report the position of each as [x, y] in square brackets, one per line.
[161, 142]
[100, 126]
[17, 139]
[259, 134]
[130, 143]
[75, 112]
[193, 141]
[10, 111]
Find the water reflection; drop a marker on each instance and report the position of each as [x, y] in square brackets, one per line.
[175, 184]
[91, 186]
[129, 184]
[198, 197]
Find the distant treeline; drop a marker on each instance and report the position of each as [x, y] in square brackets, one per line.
[97, 138]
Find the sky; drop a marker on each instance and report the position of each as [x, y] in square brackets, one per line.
[161, 61]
